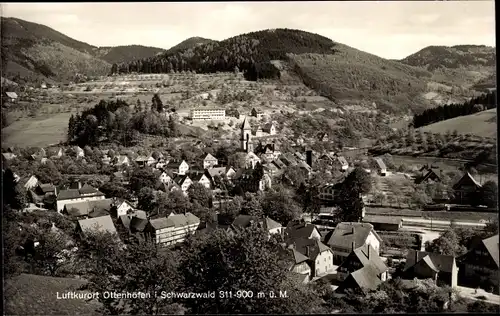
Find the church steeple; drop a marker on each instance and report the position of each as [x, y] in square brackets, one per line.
[246, 136]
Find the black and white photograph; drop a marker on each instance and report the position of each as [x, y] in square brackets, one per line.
[259, 157]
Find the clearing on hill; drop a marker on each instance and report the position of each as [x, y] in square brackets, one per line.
[482, 124]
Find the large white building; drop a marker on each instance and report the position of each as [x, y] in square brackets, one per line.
[201, 114]
[85, 193]
[174, 228]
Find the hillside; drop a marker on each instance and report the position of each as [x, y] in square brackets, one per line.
[434, 57]
[120, 54]
[482, 124]
[189, 43]
[33, 52]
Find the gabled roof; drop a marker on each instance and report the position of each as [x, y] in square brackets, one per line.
[197, 176]
[246, 125]
[374, 259]
[380, 163]
[467, 178]
[218, 171]
[47, 187]
[175, 164]
[366, 278]
[99, 207]
[436, 261]
[244, 221]
[180, 179]
[87, 189]
[138, 224]
[431, 173]
[313, 246]
[299, 230]
[491, 244]
[11, 95]
[268, 126]
[68, 194]
[298, 257]
[103, 224]
[348, 232]
[175, 220]
[210, 157]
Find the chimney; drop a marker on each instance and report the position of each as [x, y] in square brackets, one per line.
[353, 245]
[309, 157]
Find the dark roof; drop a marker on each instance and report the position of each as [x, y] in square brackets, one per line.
[466, 179]
[366, 278]
[436, 261]
[47, 187]
[174, 164]
[196, 176]
[299, 230]
[29, 294]
[245, 221]
[87, 189]
[374, 259]
[138, 224]
[68, 194]
[179, 179]
[491, 244]
[431, 173]
[314, 246]
[346, 233]
[94, 208]
[382, 219]
[246, 125]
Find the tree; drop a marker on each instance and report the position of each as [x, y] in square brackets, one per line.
[225, 262]
[178, 202]
[349, 200]
[489, 193]
[251, 206]
[147, 200]
[448, 243]
[237, 160]
[50, 256]
[420, 197]
[197, 192]
[114, 189]
[157, 104]
[280, 206]
[141, 178]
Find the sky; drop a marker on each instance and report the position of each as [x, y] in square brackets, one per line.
[388, 29]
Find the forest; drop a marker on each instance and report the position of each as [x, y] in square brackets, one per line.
[117, 121]
[250, 53]
[484, 102]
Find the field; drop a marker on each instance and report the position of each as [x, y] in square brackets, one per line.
[437, 215]
[39, 131]
[481, 124]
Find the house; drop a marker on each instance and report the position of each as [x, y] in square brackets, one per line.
[119, 177]
[124, 220]
[79, 152]
[163, 177]
[227, 172]
[247, 181]
[251, 159]
[85, 193]
[11, 96]
[329, 191]
[323, 137]
[384, 222]
[54, 152]
[381, 168]
[145, 161]
[209, 161]
[364, 280]
[183, 182]
[257, 113]
[178, 167]
[244, 221]
[299, 264]
[269, 128]
[28, 183]
[296, 230]
[138, 226]
[45, 189]
[360, 258]
[207, 113]
[200, 177]
[258, 132]
[268, 152]
[426, 265]
[121, 160]
[318, 254]
[350, 235]
[99, 224]
[341, 163]
[479, 266]
[8, 156]
[430, 176]
[86, 209]
[465, 189]
[174, 228]
[121, 207]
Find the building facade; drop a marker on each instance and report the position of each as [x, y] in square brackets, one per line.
[202, 114]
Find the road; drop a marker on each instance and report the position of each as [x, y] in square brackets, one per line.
[470, 293]
[429, 222]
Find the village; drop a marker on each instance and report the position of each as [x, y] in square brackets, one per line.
[360, 254]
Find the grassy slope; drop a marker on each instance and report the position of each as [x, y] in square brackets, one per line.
[353, 75]
[480, 124]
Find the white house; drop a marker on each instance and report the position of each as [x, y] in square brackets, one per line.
[122, 207]
[174, 228]
[85, 193]
[121, 160]
[165, 178]
[202, 179]
[251, 160]
[145, 161]
[209, 162]
[184, 182]
[178, 167]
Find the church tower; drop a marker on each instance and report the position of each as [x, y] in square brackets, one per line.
[246, 136]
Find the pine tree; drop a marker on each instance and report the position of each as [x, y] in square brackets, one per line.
[157, 103]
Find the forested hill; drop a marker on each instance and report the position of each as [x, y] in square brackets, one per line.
[120, 54]
[189, 43]
[434, 57]
[251, 53]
